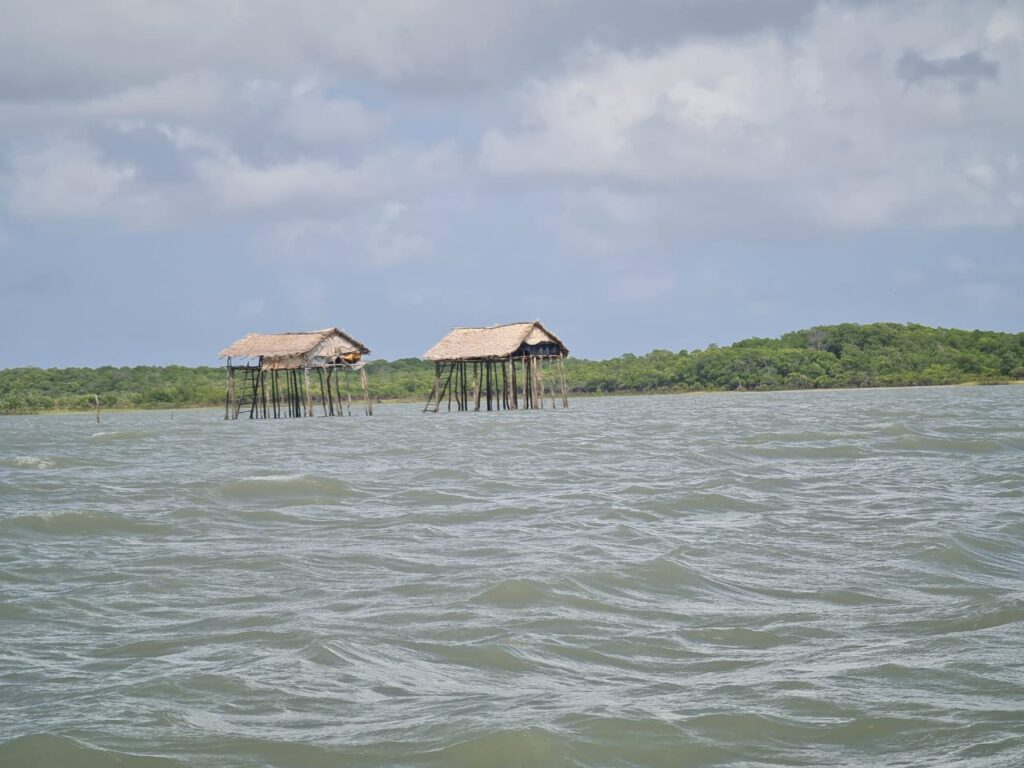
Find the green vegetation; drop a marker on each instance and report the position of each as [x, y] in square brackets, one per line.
[848, 355]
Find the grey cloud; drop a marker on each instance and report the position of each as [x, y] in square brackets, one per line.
[102, 48]
[968, 69]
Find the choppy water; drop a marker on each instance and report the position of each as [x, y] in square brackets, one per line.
[823, 578]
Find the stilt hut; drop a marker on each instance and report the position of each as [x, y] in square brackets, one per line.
[503, 367]
[282, 375]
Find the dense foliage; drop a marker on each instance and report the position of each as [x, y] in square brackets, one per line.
[848, 355]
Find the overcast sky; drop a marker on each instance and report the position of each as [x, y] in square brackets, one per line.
[638, 175]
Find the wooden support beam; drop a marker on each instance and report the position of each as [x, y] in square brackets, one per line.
[366, 391]
[436, 397]
[309, 391]
[561, 376]
[230, 391]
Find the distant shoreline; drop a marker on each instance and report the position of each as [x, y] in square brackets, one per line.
[845, 356]
[574, 396]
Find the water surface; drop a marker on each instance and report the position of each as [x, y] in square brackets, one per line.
[804, 578]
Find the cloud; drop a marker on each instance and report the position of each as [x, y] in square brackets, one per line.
[67, 179]
[968, 69]
[817, 125]
[639, 126]
[312, 118]
[371, 236]
[57, 50]
[238, 185]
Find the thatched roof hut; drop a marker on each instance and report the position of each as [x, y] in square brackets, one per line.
[281, 351]
[497, 342]
[502, 365]
[275, 375]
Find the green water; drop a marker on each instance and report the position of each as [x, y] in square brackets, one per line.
[806, 579]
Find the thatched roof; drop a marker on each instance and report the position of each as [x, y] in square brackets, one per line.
[494, 343]
[329, 341]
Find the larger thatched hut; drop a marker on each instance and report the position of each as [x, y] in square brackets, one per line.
[502, 366]
[284, 374]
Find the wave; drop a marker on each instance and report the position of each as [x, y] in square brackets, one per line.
[46, 463]
[29, 462]
[80, 523]
[49, 749]
[929, 444]
[287, 488]
[528, 746]
[513, 592]
[127, 434]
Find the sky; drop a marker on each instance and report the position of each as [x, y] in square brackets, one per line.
[653, 174]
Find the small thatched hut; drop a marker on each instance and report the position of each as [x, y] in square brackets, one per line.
[501, 366]
[275, 376]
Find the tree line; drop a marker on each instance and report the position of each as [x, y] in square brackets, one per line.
[847, 355]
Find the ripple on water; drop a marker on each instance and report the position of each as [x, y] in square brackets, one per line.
[750, 580]
[42, 749]
[83, 523]
[283, 489]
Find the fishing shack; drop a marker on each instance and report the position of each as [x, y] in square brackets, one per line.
[285, 375]
[500, 367]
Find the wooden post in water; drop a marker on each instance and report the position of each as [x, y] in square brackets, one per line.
[525, 367]
[323, 392]
[231, 389]
[227, 392]
[561, 376]
[309, 392]
[552, 394]
[437, 389]
[540, 379]
[97, 399]
[366, 391]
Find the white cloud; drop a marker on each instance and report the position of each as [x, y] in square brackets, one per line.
[241, 186]
[66, 180]
[381, 235]
[307, 112]
[193, 94]
[819, 122]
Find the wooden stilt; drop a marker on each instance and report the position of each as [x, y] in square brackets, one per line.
[337, 391]
[229, 390]
[437, 389]
[561, 377]
[487, 373]
[535, 385]
[552, 388]
[512, 384]
[323, 396]
[525, 368]
[366, 391]
[540, 379]
[309, 391]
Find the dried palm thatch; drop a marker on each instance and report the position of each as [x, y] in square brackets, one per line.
[286, 373]
[298, 348]
[497, 342]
